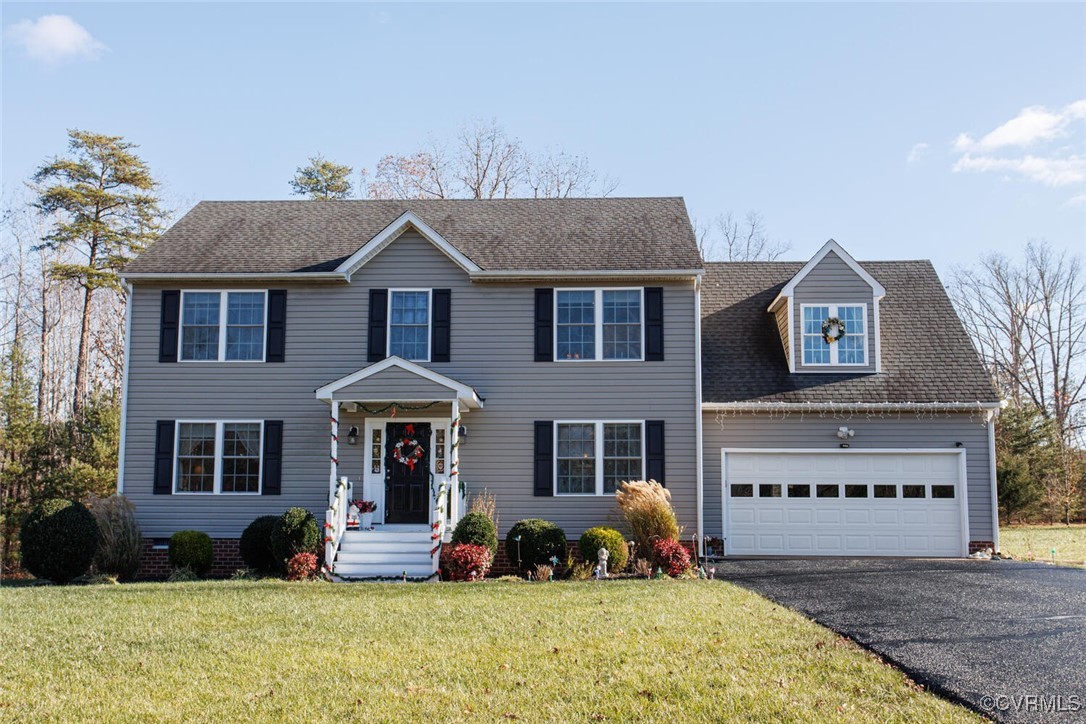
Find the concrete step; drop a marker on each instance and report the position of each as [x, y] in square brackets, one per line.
[421, 546]
[396, 558]
[383, 536]
[357, 570]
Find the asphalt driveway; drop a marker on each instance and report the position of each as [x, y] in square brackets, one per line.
[1006, 638]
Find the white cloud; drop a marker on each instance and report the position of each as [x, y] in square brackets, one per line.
[1048, 171]
[916, 152]
[1050, 162]
[53, 39]
[1079, 200]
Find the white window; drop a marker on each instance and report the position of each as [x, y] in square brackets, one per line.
[850, 349]
[592, 458]
[599, 324]
[409, 324]
[218, 457]
[223, 326]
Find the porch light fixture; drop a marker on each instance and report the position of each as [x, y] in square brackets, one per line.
[845, 433]
[463, 432]
[352, 436]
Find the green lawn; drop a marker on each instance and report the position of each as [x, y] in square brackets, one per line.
[1069, 542]
[590, 651]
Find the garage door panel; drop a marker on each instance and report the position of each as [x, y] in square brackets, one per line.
[844, 526]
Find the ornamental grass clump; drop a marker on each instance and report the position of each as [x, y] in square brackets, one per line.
[646, 507]
[120, 542]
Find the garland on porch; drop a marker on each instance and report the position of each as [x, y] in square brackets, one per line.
[397, 405]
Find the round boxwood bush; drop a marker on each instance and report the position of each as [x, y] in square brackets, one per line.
[256, 547]
[192, 549]
[59, 539]
[601, 537]
[540, 540]
[477, 529]
[294, 532]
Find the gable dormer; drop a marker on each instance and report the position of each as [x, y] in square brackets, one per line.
[833, 297]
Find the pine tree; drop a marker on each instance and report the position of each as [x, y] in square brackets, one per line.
[322, 180]
[102, 202]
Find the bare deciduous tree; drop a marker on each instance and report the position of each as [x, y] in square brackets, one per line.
[556, 174]
[727, 238]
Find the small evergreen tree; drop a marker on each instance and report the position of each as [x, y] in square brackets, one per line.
[1027, 454]
[322, 180]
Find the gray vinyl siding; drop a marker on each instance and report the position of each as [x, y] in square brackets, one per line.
[832, 281]
[492, 350]
[745, 430]
[396, 384]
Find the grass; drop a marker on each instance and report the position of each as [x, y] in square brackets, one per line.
[589, 651]
[1020, 541]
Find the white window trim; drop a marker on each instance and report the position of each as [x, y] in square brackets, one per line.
[835, 349]
[598, 453]
[429, 323]
[219, 447]
[223, 303]
[597, 315]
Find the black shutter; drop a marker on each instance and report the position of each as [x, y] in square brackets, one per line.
[167, 328]
[277, 326]
[544, 459]
[273, 457]
[164, 435]
[440, 329]
[654, 324]
[544, 325]
[378, 337]
[654, 451]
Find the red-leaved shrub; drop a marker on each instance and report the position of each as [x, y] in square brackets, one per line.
[465, 561]
[671, 556]
[302, 567]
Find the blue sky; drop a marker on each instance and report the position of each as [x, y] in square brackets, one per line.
[902, 131]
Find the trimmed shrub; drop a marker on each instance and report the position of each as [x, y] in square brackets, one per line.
[540, 540]
[302, 567]
[600, 537]
[477, 529]
[465, 561]
[646, 506]
[255, 545]
[294, 532]
[192, 549]
[120, 542]
[672, 556]
[59, 539]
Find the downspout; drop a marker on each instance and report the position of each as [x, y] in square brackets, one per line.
[700, 453]
[124, 387]
[992, 478]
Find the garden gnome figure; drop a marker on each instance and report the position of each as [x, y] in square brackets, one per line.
[602, 554]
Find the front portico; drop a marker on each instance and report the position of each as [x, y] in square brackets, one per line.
[404, 420]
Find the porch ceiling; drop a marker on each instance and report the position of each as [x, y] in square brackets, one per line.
[399, 380]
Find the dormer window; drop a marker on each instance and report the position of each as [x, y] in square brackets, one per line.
[849, 349]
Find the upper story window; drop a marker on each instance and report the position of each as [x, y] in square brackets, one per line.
[409, 324]
[599, 324]
[223, 326]
[218, 457]
[849, 349]
[592, 458]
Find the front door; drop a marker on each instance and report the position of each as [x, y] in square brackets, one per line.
[407, 472]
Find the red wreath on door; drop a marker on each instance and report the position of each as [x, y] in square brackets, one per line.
[408, 451]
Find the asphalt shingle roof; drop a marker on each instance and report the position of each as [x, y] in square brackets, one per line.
[926, 354]
[635, 234]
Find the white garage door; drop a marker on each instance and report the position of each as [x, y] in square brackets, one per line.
[844, 503]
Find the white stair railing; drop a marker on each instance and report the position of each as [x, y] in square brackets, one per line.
[335, 523]
[437, 525]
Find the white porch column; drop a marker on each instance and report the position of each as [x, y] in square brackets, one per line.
[334, 452]
[454, 465]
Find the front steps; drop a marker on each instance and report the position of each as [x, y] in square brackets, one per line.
[387, 551]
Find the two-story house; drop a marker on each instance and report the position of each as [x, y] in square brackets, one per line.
[295, 353]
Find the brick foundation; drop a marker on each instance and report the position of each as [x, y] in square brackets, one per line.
[979, 545]
[155, 563]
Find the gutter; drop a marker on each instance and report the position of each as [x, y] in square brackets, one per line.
[333, 276]
[512, 275]
[853, 406]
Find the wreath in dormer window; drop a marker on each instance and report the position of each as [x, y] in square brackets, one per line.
[833, 329]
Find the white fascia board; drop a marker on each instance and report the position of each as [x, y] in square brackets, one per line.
[391, 232]
[799, 407]
[831, 245]
[464, 393]
[504, 275]
[332, 276]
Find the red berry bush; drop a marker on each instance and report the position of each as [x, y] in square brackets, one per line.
[465, 561]
[302, 567]
[671, 556]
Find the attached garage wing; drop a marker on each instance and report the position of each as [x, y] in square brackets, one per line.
[844, 502]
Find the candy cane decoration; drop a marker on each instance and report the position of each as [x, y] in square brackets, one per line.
[333, 455]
